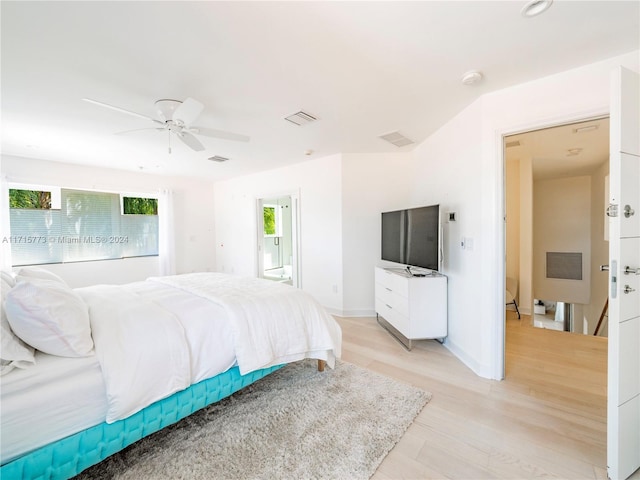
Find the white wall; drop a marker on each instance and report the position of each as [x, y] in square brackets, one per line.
[194, 226]
[562, 223]
[371, 184]
[448, 170]
[319, 185]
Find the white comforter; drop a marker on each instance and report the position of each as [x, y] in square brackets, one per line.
[147, 352]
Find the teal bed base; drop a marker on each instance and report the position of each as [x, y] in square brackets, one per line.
[69, 456]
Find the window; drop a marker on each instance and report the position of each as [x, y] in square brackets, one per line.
[139, 206]
[84, 226]
[272, 221]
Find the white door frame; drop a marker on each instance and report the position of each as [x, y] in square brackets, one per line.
[499, 329]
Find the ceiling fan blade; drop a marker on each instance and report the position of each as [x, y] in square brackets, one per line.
[122, 110]
[125, 132]
[191, 141]
[188, 111]
[211, 132]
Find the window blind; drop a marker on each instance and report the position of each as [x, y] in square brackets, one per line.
[88, 226]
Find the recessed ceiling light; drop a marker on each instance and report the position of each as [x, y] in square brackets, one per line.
[472, 77]
[535, 7]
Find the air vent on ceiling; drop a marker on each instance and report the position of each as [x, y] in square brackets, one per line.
[301, 118]
[514, 143]
[218, 158]
[397, 139]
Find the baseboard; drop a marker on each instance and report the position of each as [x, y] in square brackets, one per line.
[483, 371]
[350, 313]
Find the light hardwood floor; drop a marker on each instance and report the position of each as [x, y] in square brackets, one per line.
[547, 419]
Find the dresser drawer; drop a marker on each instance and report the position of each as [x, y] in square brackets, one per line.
[393, 316]
[393, 299]
[394, 282]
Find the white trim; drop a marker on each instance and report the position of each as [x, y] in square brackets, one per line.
[477, 368]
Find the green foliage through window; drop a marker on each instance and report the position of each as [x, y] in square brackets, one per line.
[140, 206]
[269, 221]
[29, 199]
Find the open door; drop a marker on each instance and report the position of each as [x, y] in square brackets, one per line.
[623, 409]
[278, 239]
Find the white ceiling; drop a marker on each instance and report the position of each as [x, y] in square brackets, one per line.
[563, 151]
[363, 68]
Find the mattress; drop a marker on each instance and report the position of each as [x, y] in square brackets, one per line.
[75, 399]
[74, 388]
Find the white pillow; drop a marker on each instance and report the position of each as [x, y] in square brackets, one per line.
[13, 351]
[50, 317]
[29, 273]
[8, 277]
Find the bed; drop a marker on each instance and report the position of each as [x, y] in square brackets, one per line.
[95, 369]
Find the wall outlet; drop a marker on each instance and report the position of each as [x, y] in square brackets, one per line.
[334, 288]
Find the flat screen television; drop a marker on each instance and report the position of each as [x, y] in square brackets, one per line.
[412, 237]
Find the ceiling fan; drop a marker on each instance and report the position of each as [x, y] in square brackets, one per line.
[176, 117]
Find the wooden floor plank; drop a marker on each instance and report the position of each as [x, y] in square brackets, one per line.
[547, 419]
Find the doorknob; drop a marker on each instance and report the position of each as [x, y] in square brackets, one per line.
[628, 211]
[628, 289]
[628, 270]
[604, 268]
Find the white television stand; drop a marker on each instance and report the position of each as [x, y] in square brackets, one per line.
[411, 307]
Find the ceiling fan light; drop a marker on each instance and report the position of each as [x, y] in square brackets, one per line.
[165, 108]
[535, 7]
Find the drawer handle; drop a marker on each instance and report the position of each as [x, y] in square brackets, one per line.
[388, 289]
[389, 306]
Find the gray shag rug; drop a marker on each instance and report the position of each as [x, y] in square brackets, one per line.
[296, 423]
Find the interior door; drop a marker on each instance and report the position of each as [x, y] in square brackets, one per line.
[290, 231]
[623, 410]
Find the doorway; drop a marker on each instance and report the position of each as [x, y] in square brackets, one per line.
[278, 234]
[556, 183]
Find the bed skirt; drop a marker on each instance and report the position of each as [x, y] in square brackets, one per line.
[69, 456]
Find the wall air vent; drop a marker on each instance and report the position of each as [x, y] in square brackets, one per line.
[301, 118]
[218, 158]
[397, 139]
[514, 143]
